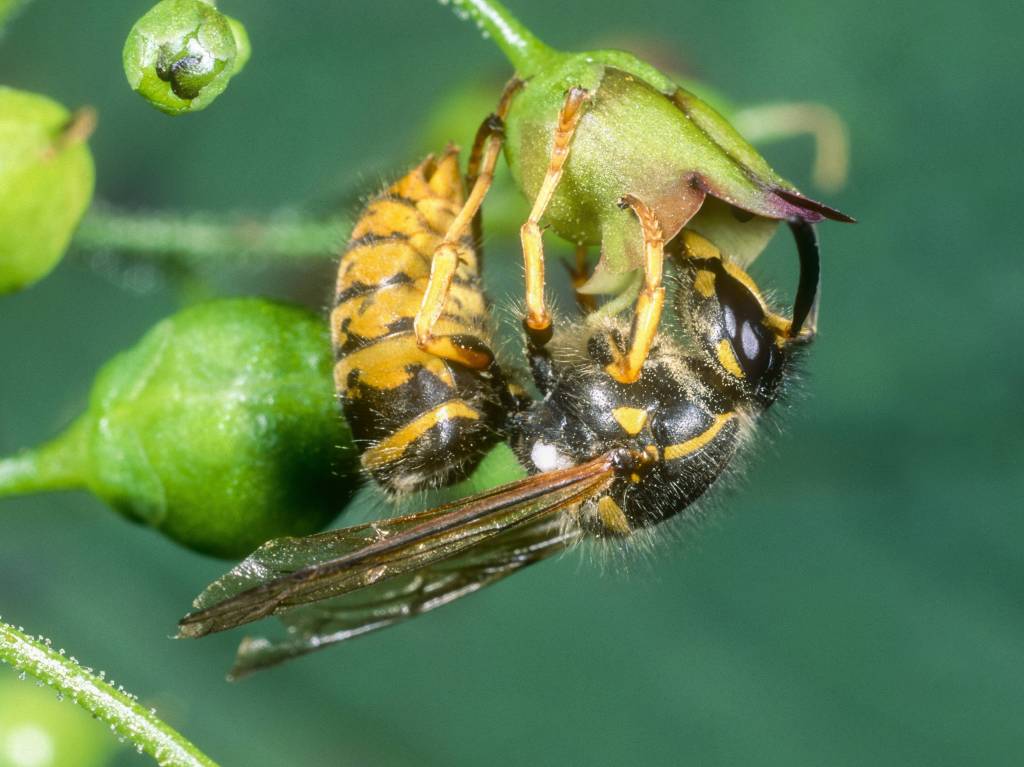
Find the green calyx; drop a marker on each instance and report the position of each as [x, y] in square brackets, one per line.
[182, 53]
[641, 135]
[46, 183]
[219, 428]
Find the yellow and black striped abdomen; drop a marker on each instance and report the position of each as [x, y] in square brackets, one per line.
[419, 420]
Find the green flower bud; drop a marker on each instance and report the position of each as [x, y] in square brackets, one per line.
[46, 183]
[181, 54]
[219, 428]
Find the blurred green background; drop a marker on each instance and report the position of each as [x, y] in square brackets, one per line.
[859, 596]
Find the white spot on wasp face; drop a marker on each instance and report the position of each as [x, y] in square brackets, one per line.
[729, 318]
[751, 346]
[548, 457]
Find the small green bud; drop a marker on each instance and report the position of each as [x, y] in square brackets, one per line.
[219, 428]
[46, 183]
[243, 48]
[181, 54]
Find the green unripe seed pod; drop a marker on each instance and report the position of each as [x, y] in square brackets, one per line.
[181, 54]
[46, 183]
[219, 428]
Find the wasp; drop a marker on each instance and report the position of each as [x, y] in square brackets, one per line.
[606, 459]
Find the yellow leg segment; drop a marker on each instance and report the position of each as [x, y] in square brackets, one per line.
[445, 261]
[538, 320]
[626, 369]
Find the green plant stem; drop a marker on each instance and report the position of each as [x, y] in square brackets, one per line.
[119, 709]
[57, 465]
[526, 53]
[765, 123]
[202, 238]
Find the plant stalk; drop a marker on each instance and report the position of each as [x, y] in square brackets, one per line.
[526, 53]
[205, 238]
[119, 709]
[56, 465]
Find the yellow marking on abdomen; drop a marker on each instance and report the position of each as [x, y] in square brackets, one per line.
[727, 357]
[370, 315]
[391, 449]
[438, 213]
[683, 449]
[379, 263]
[387, 363]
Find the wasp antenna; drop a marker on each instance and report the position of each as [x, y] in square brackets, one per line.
[805, 304]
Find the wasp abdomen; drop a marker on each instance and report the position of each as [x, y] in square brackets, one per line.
[420, 420]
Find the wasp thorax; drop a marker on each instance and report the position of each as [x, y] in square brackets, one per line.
[668, 435]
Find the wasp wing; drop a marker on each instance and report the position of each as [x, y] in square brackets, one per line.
[294, 571]
[322, 624]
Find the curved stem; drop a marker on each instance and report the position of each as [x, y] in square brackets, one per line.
[772, 122]
[526, 53]
[57, 465]
[116, 707]
[205, 237]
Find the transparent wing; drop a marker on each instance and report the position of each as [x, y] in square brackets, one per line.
[289, 572]
[322, 624]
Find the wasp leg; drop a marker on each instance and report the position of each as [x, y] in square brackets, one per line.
[579, 276]
[446, 258]
[538, 321]
[626, 369]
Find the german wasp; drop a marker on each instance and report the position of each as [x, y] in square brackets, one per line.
[607, 458]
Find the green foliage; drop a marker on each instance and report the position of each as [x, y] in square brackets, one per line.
[219, 428]
[46, 183]
[181, 54]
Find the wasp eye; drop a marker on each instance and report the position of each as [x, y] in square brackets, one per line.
[725, 310]
[745, 346]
